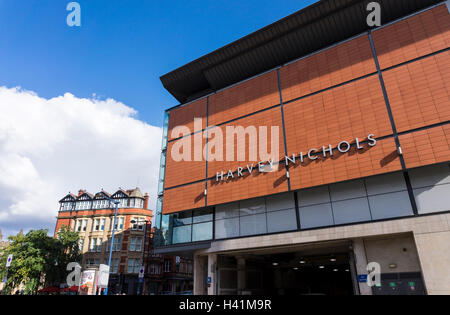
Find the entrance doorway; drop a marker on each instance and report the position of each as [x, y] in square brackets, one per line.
[321, 270]
[313, 275]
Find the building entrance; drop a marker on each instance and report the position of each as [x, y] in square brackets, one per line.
[293, 271]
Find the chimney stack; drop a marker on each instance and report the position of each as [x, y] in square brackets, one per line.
[80, 192]
[146, 201]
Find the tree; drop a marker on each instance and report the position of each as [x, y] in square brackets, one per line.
[39, 259]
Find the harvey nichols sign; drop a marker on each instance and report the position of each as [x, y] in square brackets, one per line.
[313, 154]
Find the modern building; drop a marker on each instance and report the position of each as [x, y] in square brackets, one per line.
[361, 116]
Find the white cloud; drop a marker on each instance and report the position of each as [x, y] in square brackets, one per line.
[49, 147]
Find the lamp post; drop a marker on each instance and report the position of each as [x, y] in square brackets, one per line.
[143, 254]
[112, 237]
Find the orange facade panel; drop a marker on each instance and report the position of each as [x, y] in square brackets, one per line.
[249, 186]
[414, 37]
[185, 162]
[426, 146]
[351, 111]
[333, 66]
[382, 158]
[245, 98]
[185, 115]
[419, 92]
[184, 198]
[262, 126]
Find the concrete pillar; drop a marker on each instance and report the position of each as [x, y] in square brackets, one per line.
[212, 273]
[434, 256]
[241, 282]
[361, 264]
[200, 274]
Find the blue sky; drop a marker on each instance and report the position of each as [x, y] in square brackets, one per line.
[122, 47]
[55, 137]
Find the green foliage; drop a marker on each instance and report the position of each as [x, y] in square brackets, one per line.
[38, 259]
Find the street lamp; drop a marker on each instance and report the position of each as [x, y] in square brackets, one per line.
[143, 252]
[112, 237]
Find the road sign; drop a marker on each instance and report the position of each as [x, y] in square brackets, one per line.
[9, 260]
[141, 272]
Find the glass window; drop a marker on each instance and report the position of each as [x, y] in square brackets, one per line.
[313, 196]
[351, 210]
[203, 215]
[433, 199]
[230, 210]
[182, 234]
[279, 221]
[102, 226]
[385, 184]
[182, 218]
[316, 216]
[132, 244]
[253, 224]
[138, 244]
[347, 190]
[390, 205]
[252, 206]
[280, 202]
[202, 231]
[430, 176]
[227, 228]
[97, 225]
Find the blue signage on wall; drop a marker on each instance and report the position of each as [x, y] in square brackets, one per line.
[362, 278]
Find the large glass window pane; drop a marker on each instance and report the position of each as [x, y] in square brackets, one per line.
[430, 176]
[352, 210]
[253, 224]
[316, 216]
[181, 234]
[385, 184]
[390, 205]
[182, 218]
[280, 221]
[280, 202]
[229, 210]
[203, 215]
[433, 199]
[313, 196]
[227, 228]
[202, 232]
[252, 206]
[347, 190]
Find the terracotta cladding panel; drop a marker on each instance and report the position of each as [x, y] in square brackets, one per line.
[270, 118]
[184, 198]
[426, 147]
[414, 37]
[354, 110]
[419, 92]
[248, 97]
[333, 66]
[185, 171]
[185, 115]
[382, 158]
[250, 186]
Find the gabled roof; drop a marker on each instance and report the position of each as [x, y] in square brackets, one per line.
[120, 194]
[89, 195]
[318, 26]
[70, 196]
[101, 194]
